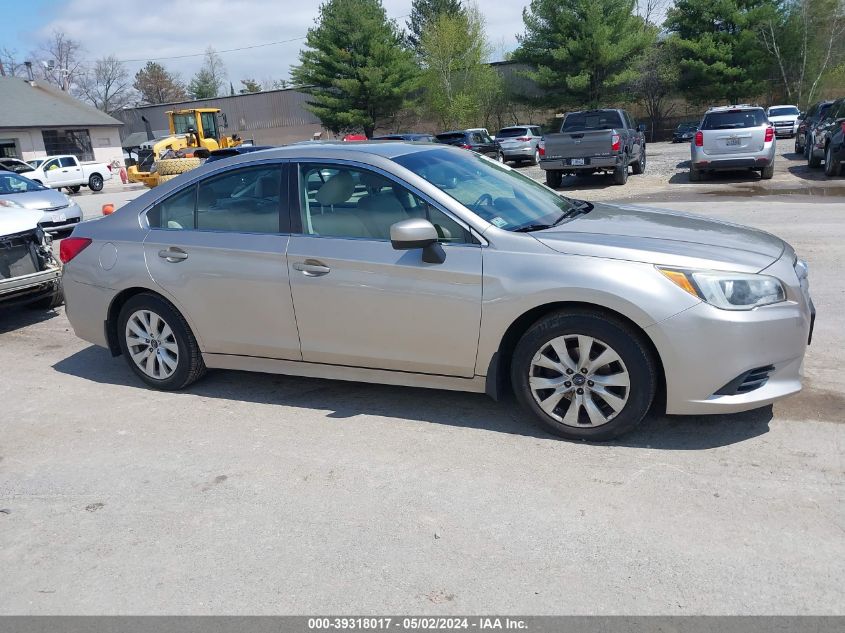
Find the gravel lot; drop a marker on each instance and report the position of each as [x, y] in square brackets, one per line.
[266, 494]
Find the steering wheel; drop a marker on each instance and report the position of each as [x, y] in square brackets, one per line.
[482, 198]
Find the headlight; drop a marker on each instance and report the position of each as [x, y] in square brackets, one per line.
[728, 291]
[11, 204]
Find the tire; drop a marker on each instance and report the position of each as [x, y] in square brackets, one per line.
[175, 166]
[601, 413]
[813, 161]
[767, 172]
[832, 168]
[163, 179]
[620, 174]
[806, 148]
[74, 189]
[501, 158]
[186, 368]
[553, 178]
[797, 147]
[50, 302]
[95, 182]
[535, 160]
[694, 175]
[639, 167]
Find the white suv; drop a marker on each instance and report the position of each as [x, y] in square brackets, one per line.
[785, 119]
[733, 137]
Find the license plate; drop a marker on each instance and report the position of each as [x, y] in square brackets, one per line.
[576, 161]
[62, 217]
[733, 141]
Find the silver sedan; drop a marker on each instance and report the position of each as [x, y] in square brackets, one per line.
[435, 267]
[58, 211]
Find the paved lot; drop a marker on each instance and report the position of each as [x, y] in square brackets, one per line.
[266, 494]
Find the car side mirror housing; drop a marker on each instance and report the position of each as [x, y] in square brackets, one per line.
[415, 233]
[641, 127]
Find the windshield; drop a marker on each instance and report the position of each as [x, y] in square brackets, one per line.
[12, 183]
[784, 111]
[687, 127]
[16, 166]
[184, 122]
[733, 119]
[601, 120]
[35, 163]
[491, 190]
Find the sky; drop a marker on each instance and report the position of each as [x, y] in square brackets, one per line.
[138, 31]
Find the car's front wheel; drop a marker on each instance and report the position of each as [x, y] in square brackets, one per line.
[639, 166]
[158, 344]
[585, 375]
[620, 174]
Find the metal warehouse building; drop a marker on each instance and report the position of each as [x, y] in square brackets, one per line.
[274, 117]
[38, 120]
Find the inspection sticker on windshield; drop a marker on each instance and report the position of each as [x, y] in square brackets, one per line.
[499, 222]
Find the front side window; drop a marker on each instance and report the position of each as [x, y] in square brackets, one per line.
[495, 192]
[239, 201]
[349, 202]
[51, 164]
[209, 124]
[184, 122]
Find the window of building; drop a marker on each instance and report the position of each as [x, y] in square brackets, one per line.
[76, 142]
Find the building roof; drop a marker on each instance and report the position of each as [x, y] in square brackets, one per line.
[25, 105]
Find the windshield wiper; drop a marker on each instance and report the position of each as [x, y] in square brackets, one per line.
[532, 227]
[578, 207]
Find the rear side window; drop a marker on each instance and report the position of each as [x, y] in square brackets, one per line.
[67, 161]
[451, 138]
[733, 120]
[239, 201]
[602, 120]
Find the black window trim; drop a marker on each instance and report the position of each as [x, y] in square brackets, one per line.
[284, 218]
[296, 212]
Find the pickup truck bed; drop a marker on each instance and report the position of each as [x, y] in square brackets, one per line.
[594, 141]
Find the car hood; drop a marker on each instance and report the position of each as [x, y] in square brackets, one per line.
[46, 199]
[17, 220]
[667, 238]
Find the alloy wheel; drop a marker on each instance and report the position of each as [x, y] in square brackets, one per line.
[579, 380]
[152, 344]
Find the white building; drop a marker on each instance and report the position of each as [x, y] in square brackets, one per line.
[38, 120]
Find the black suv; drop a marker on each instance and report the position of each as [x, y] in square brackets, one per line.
[474, 140]
[815, 113]
[828, 140]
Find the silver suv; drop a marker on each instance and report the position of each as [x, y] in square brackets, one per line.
[431, 266]
[733, 137]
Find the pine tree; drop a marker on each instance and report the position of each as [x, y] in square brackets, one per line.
[718, 49]
[584, 51]
[424, 13]
[355, 68]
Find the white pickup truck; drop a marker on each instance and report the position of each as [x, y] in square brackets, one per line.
[69, 172]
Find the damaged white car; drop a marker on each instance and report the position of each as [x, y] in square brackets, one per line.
[29, 274]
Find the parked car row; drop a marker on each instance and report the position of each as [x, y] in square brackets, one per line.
[824, 136]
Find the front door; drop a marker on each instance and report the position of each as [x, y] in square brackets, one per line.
[217, 250]
[361, 303]
[54, 174]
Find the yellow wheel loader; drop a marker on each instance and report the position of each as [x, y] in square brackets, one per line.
[193, 135]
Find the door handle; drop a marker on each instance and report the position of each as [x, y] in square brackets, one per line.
[173, 254]
[312, 268]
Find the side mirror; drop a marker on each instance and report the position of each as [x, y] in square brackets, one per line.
[417, 233]
[641, 127]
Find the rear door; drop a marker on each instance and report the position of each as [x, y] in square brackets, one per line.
[734, 131]
[217, 250]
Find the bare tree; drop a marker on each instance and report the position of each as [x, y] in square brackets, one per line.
[805, 38]
[10, 66]
[652, 11]
[107, 86]
[656, 80]
[59, 60]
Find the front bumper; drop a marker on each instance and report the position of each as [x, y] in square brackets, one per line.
[29, 287]
[704, 349]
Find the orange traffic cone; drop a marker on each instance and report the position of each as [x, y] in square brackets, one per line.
[108, 208]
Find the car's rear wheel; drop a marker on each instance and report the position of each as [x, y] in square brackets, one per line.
[585, 375]
[813, 160]
[95, 182]
[535, 160]
[74, 189]
[767, 172]
[832, 167]
[639, 166]
[553, 178]
[158, 344]
[620, 174]
[797, 145]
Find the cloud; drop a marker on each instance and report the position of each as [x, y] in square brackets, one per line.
[175, 28]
